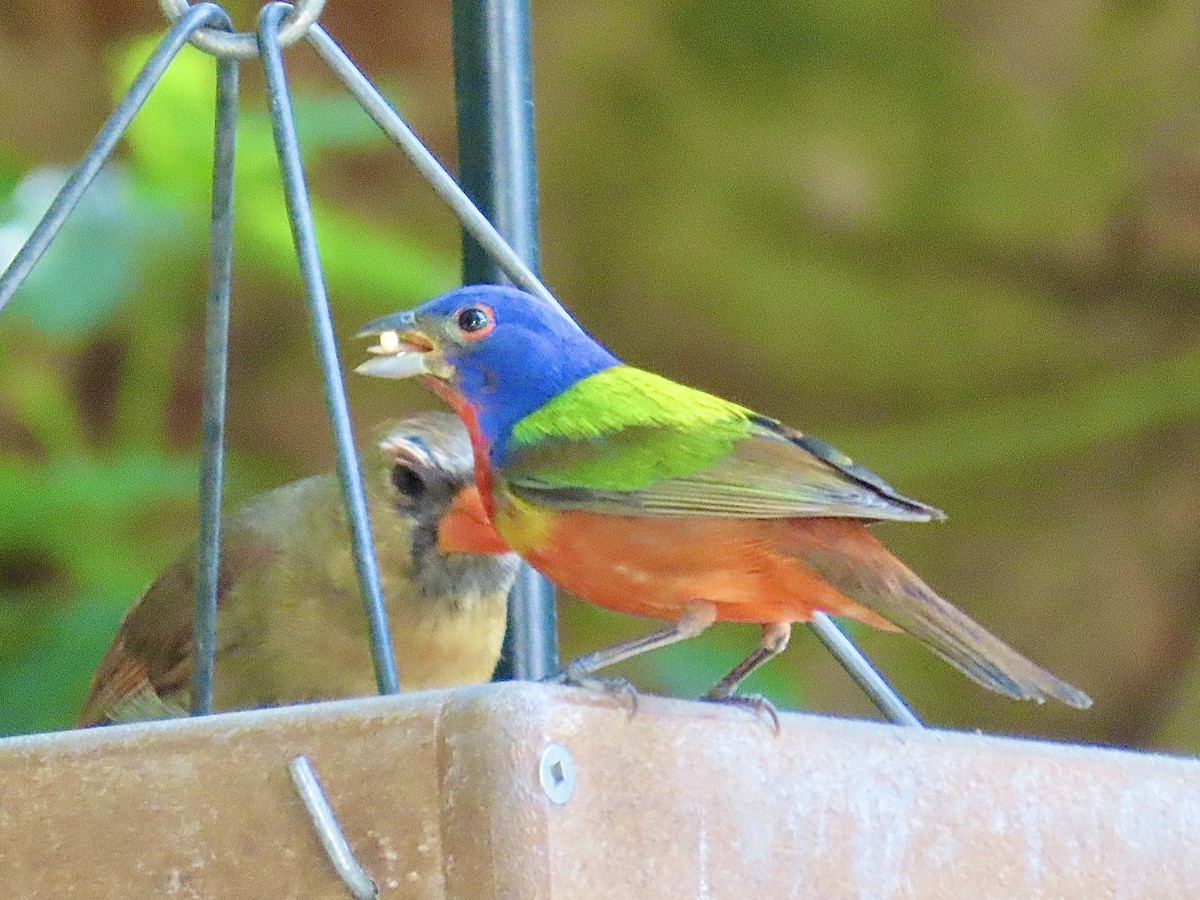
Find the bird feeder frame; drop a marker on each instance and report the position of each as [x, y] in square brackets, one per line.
[497, 206]
[493, 83]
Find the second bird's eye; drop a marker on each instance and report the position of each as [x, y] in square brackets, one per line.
[473, 319]
[407, 482]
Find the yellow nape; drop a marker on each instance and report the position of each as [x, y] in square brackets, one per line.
[523, 525]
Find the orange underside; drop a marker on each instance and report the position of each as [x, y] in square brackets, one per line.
[752, 570]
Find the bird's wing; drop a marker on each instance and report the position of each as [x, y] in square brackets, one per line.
[125, 694]
[629, 442]
[146, 671]
[151, 653]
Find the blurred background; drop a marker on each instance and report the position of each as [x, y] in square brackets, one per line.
[961, 241]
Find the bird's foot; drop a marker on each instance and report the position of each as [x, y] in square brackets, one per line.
[756, 703]
[610, 685]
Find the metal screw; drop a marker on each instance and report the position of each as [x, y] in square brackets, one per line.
[557, 773]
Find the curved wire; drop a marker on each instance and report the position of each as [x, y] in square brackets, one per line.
[243, 44]
[299, 209]
[338, 850]
[886, 700]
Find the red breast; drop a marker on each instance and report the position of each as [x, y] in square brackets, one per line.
[753, 570]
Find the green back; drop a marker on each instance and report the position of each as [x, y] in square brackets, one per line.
[623, 429]
[628, 442]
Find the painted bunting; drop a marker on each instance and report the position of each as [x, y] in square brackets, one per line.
[290, 623]
[648, 497]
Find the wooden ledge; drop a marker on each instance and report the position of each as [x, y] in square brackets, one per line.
[439, 795]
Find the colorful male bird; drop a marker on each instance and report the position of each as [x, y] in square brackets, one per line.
[290, 623]
[651, 498]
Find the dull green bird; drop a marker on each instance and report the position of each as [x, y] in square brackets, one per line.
[290, 623]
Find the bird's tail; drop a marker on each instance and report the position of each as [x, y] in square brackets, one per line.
[853, 561]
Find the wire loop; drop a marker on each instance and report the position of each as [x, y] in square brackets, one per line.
[243, 44]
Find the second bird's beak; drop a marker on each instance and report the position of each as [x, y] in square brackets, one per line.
[402, 351]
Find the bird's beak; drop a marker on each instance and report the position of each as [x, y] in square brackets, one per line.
[402, 351]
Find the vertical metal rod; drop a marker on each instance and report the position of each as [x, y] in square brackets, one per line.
[493, 88]
[338, 850]
[530, 651]
[879, 691]
[106, 139]
[216, 363]
[493, 85]
[426, 164]
[300, 216]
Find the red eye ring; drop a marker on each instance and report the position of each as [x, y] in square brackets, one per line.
[476, 321]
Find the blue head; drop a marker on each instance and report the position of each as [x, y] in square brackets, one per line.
[502, 351]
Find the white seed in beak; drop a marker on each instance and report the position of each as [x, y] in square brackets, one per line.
[389, 344]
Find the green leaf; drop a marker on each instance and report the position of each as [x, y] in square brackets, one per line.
[10, 172]
[74, 501]
[363, 264]
[333, 122]
[97, 256]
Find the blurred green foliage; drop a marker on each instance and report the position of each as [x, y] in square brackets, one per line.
[960, 252]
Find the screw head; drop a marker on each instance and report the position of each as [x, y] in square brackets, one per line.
[556, 771]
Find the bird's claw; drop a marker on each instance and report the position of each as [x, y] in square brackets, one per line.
[756, 703]
[600, 684]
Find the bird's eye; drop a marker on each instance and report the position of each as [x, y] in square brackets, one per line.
[407, 481]
[475, 321]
